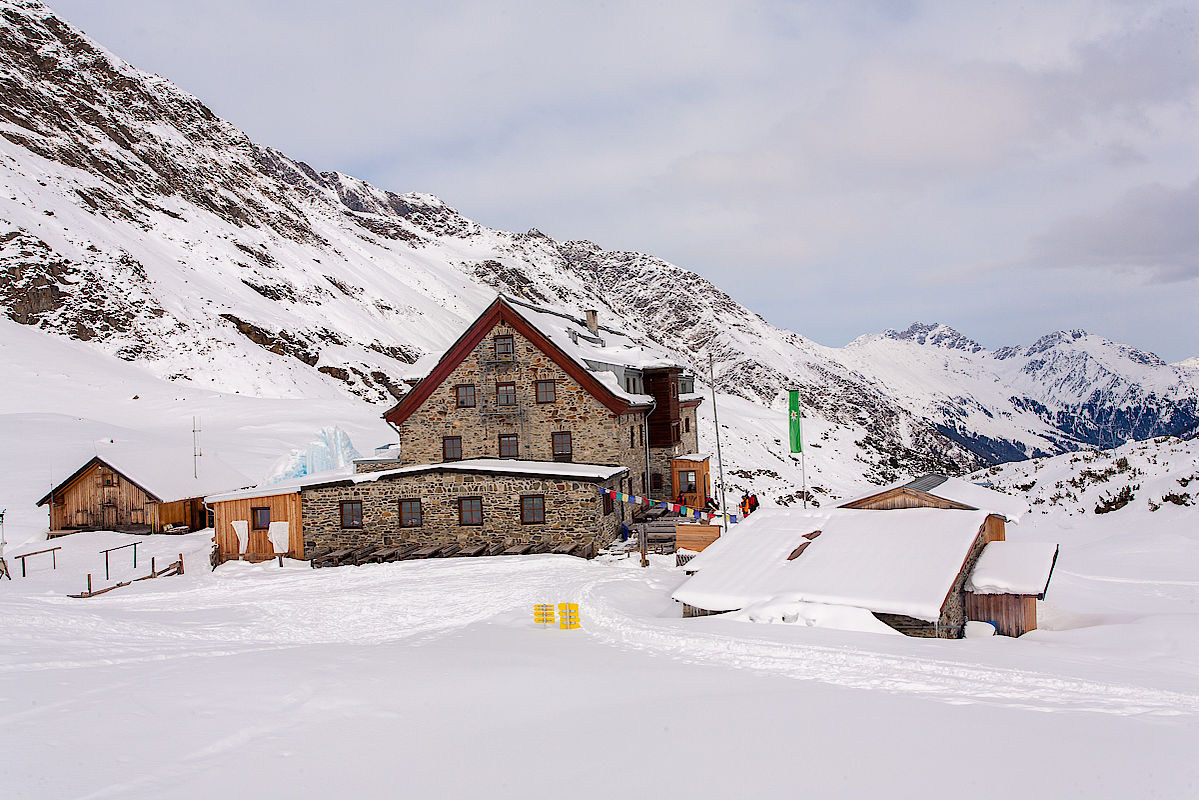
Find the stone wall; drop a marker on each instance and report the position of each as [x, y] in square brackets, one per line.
[689, 439]
[362, 467]
[595, 431]
[573, 511]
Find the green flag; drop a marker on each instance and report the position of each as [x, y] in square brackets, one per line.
[796, 419]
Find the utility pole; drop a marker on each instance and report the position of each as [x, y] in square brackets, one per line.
[716, 424]
[196, 447]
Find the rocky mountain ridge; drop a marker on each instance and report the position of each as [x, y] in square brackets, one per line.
[134, 219]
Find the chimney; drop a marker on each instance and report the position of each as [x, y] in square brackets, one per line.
[592, 320]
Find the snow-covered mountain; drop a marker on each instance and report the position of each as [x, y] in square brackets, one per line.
[1154, 476]
[135, 220]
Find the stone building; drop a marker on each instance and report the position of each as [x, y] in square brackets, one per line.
[471, 502]
[508, 439]
[528, 383]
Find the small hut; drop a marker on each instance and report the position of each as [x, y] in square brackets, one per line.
[1007, 582]
[138, 491]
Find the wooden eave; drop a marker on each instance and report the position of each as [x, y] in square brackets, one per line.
[95, 461]
[500, 311]
[690, 403]
[899, 490]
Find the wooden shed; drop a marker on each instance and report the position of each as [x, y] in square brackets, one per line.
[257, 508]
[1007, 582]
[139, 491]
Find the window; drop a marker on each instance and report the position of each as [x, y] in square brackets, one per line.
[505, 394]
[109, 479]
[628, 385]
[609, 506]
[351, 513]
[686, 424]
[470, 510]
[687, 481]
[504, 346]
[509, 446]
[532, 509]
[451, 448]
[632, 437]
[410, 514]
[465, 395]
[674, 432]
[655, 481]
[547, 392]
[260, 518]
[674, 390]
[562, 446]
[641, 435]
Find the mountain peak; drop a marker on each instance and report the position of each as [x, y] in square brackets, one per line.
[936, 335]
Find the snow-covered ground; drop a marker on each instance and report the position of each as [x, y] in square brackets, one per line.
[430, 679]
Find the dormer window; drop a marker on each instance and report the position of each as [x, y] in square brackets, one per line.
[505, 346]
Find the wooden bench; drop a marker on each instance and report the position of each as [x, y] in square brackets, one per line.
[472, 551]
[517, 550]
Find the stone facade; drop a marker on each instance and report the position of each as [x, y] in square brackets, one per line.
[365, 465]
[574, 511]
[596, 433]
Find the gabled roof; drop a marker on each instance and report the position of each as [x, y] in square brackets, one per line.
[95, 462]
[165, 474]
[938, 490]
[501, 310]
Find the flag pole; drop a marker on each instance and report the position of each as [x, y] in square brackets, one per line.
[724, 512]
[795, 434]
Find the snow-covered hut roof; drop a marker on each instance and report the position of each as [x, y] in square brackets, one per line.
[958, 491]
[166, 474]
[1014, 568]
[478, 466]
[902, 562]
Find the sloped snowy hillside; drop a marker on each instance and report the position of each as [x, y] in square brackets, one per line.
[136, 221]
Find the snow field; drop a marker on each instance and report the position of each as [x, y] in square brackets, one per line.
[430, 678]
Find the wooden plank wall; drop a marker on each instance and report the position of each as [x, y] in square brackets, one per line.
[1013, 614]
[284, 508]
[902, 498]
[994, 529]
[88, 503]
[695, 537]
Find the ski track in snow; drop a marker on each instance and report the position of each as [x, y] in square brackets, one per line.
[1114, 579]
[421, 602]
[950, 681]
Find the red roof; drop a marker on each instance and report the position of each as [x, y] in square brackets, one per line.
[496, 312]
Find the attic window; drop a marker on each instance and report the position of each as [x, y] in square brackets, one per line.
[108, 479]
[795, 553]
[504, 346]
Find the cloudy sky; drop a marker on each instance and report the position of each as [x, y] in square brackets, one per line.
[1009, 169]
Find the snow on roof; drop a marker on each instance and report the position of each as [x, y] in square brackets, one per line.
[694, 457]
[902, 562]
[496, 466]
[1013, 568]
[168, 473]
[961, 491]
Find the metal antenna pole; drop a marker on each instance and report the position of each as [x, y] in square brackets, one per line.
[195, 447]
[716, 424]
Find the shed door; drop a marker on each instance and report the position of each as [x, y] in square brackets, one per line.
[108, 514]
